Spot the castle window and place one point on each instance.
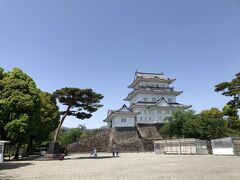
(123, 120)
(153, 99)
(141, 118)
(169, 99)
(150, 118)
(145, 112)
(145, 99)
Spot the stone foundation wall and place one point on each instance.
(127, 139)
(148, 145)
(99, 141)
(148, 131)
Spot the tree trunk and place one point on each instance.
(17, 154)
(60, 125)
(29, 147)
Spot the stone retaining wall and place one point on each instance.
(148, 131)
(99, 141)
(127, 139)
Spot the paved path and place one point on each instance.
(127, 166)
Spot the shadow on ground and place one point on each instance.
(90, 157)
(13, 165)
(3, 177)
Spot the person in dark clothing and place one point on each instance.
(61, 157)
(113, 152)
(95, 152)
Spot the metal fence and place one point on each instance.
(226, 146)
(180, 146)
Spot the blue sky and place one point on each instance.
(100, 44)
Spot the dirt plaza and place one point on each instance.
(127, 166)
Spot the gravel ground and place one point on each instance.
(128, 166)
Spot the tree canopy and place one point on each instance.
(232, 89)
(71, 135)
(27, 114)
(80, 103)
(209, 124)
(212, 124)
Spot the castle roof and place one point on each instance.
(150, 75)
(124, 110)
(162, 103)
(139, 76)
(152, 91)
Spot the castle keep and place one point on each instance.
(132, 128)
(150, 102)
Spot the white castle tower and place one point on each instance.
(150, 101)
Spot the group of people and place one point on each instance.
(115, 152)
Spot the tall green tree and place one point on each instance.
(24, 109)
(181, 124)
(49, 120)
(208, 124)
(49, 116)
(232, 117)
(232, 89)
(71, 135)
(212, 124)
(20, 101)
(213, 113)
(80, 103)
(2, 104)
(230, 110)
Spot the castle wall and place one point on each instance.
(152, 97)
(148, 131)
(127, 139)
(99, 141)
(123, 121)
(152, 116)
(153, 84)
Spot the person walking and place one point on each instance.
(116, 151)
(113, 152)
(95, 152)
